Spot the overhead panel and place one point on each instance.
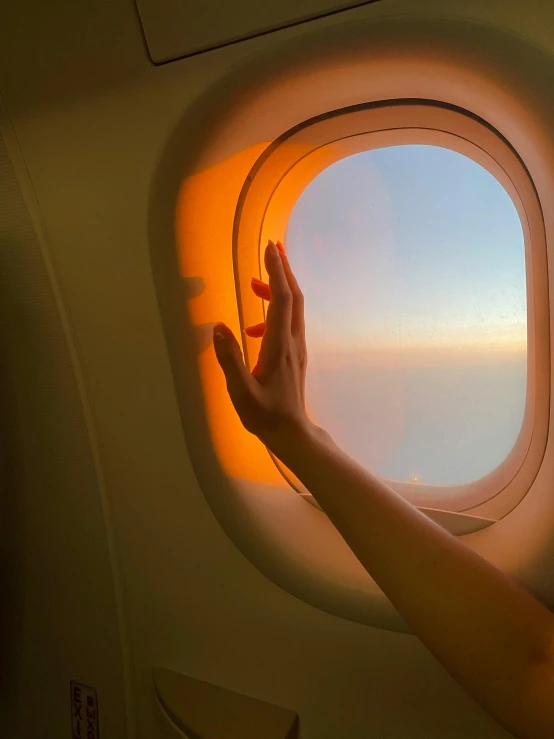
(178, 28)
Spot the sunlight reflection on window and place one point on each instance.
(412, 262)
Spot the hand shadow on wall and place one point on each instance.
(193, 287)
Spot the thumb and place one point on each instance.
(230, 359)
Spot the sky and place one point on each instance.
(412, 263)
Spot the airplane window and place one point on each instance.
(412, 262)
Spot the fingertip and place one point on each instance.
(221, 332)
(281, 248)
(223, 338)
(272, 258)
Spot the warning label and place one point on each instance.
(84, 712)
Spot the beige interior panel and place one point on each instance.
(201, 709)
(59, 613)
(177, 28)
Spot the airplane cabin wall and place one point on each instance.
(117, 563)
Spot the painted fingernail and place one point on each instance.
(281, 248)
(260, 289)
(255, 332)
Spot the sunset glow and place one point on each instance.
(412, 262)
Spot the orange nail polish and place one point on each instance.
(256, 331)
(261, 289)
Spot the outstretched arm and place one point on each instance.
(489, 633)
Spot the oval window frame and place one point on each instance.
(288, 165)
(199, 177)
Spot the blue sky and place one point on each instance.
(411, 259)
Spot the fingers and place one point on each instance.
(261, 290)
(297, 323)
(285, 313)
(279, 311)
(228, 353)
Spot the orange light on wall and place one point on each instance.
(205, 219)
(227, 212)
(204, 226)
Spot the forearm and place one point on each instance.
(491, 635)
(488, 632)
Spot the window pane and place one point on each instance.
(412, 262)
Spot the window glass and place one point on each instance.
(412, 262)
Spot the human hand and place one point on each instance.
(270, 401)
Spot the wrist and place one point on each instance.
(296, 441)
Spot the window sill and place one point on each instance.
(459, 524)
